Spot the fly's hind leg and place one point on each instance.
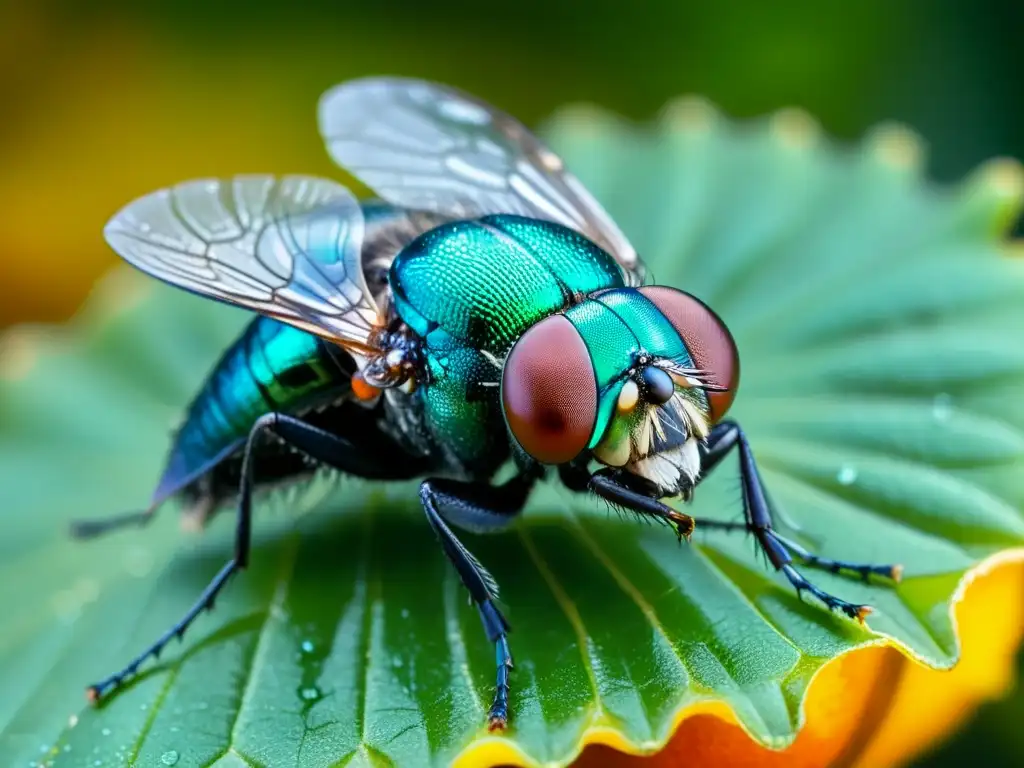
(367, 460)
(779, 550)
(481, 508)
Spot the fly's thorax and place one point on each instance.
(635, 379)
(485, 281)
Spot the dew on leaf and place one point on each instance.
(847, 475)
(307, 646)
(170, 757)
(105, 731)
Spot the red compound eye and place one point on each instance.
(705, 335)
(549, 391)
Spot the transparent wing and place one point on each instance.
(286, 247)
(431, 147)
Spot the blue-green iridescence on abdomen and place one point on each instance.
(271, 367)
(470, 289)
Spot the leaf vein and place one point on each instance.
(261, 647)
(629, 588)
(569, 609)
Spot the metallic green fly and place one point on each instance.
(484, 310)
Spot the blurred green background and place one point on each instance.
(106, 100)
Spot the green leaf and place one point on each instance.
(878, 320)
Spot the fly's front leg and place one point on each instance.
(637, 495)
(780, 551)
(326, 447)
(481, 508)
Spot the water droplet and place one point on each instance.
(310, 694)
(170, 757)
(405, 613)
(203, 705)
(942, 407)
(105, 731)
(847, 475)
(72, 721)
(67, 747)
(307, 646)
(397, 662)
(175, 729)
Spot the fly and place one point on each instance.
(484, 310)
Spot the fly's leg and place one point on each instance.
(757, 511)
(323, 446)
(481, 508)
(633, 493)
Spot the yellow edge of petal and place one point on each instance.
(491, 751)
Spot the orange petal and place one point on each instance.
(873, 707)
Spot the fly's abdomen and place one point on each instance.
(271, 367)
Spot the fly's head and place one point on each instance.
(569, 389)
(655, 428)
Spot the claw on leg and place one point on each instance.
(497, 716)
(683, 524)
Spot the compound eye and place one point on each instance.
(549, 391)
(710, 344)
